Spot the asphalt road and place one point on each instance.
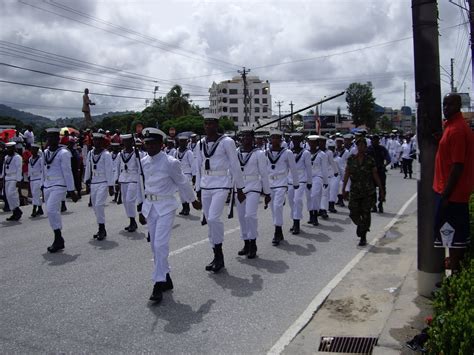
(93, 297)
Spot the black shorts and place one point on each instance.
(451, 228)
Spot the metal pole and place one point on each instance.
(428, 98)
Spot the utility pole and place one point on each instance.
(453, 89)
(428, 98)
(291, 117)
(154, 93)
(244, 73)
(279, 112)
(404, 93)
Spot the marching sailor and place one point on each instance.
(186, 158)
(340, 157)
(281, 163)
(253, 164)
(115, 153)
(163, 177)
(217, 171)
(57, 180)
(303, 168)
(35, 175)
(319, 172)
(323, 211)
(11, 180)
(99, 175)
(128, 177)
(334, 176)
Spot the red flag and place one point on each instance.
(317, 120)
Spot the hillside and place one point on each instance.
(25, 117)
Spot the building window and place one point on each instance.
(265, 91)
(233, 91)
(264, 100)
(224, 99)
(257, 118)
(224, 108)
(265, 109)
(224, 91)
(234, 109)
(256, 100)
(234, 101)
(256, 91)
(257, 109)
(236, 119)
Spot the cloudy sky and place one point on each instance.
(306, 49)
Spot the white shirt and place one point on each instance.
(406, 150)
(319, 163)
(35, 168)
(128, 167)
(163, 177)
(280, 164)
(99, 168)
(29, 136)
(332, 167)
(340, 157)
(303, 167)
(254, 170)
(224, 165)
(57, 169)
(12, 168)
(170, 151)
(186, 159)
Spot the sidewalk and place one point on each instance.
(377, 298)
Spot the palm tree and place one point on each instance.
(178, 103)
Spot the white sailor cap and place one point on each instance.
(114, 144)
(313, 137)
(53, 130)
(211, 117)
(126, 136)
(276, 132)
(98, 135)
(323, 138)
(296, 135)
(10, 144)
(193, 135)
(331, 143)
(348, 136)
(182, 137)
(151, 134)
(339, 139)
(35, 145)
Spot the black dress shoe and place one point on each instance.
(168, 284)
(210, 266)
(245, 249)
(58, 243)
(252, 250)
(157, 294)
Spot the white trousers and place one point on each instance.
(316, 193)
(295, 200)
(11, 193)
(213, 202)
(35, 187)
(129, 198)
(160, 233)
(190, 179)
(394, 156)
(277, 202)
(99, 194)
(334, 188)
(247, 212)
(52, 199)
(325, 197)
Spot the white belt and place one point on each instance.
(151, 197)
(97, 174)
(251, 177)
(277, 176)
(50, 178)
(215, 172)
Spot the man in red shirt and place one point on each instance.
(453, 182)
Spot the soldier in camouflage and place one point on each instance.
(362, 171)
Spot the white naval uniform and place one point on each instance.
(128, 176)
(330, 193)
(57, 180)
(340, 157)
(319, 172)
(11, 174)
(163, 177)
(35, 175)
(99, 170)
(295, 197)
(280, 164)
(254, 169)
(170, 151)
(214, 179)
(186, 160)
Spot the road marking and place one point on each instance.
(195, 244)
(313, 307)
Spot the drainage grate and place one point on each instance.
(354, 345)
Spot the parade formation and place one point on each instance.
(154, 176)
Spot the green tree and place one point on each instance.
(385, 123)
(178, 102)
(360, 104)
(156, 114)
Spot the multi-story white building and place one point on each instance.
(227, 99)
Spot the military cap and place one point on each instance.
(10, 144)
(126, 136)
(152, 134)
(276, 132)
(296, 135)
(348, 136)
(113, 144)
(211, 117)
(53, 130)
(313, 137)
(331, 143)
(98, 135)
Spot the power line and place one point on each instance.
(54, 107)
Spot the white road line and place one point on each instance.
(308, 313)
(191, 246)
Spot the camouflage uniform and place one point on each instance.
(362, 196)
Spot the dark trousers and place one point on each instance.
(407, 166)
(359, 211)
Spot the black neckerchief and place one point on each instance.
(114, 155)
(193, 145)
(274, 161)
(313, 157)
(126, 160)
(48, 159)
(33, 161)
(94, 160)
(299, 155)
(207, 163)
(243, 161)
(7, 163)
(180, 155)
